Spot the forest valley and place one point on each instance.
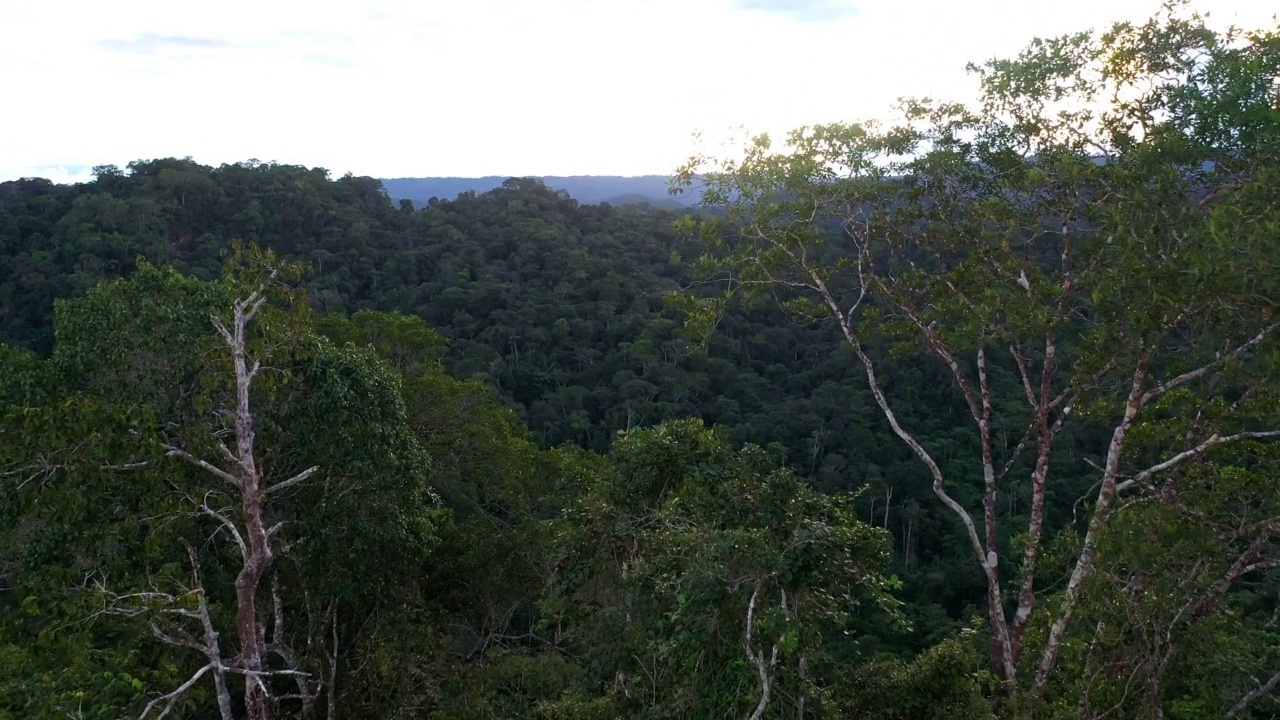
(973, 414)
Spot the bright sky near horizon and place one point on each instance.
(395, 88)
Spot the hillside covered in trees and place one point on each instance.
(970, 416)
(592, 189)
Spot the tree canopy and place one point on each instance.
(967, 414)
(1096, 234)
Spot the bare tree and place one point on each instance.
(170, 622)
(259, 543)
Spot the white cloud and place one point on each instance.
(474, 87)
(816, 11)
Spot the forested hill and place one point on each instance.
(557, 304)
(613, 189)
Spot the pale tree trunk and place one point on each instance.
(248, 629)
(1140, 396)
(212, 649)
(763, 665)
(1101, 513)
(331, 710)
(1045, 430)
(253, 537)
(207, 645)
(307, 687)
(1006, 641)
(986, 553)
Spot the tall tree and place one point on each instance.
(1097, 232)
(259, 542)
(248, 490)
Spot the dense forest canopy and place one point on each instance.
(973, 414)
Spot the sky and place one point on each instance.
(413, 88)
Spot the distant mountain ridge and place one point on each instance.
(587, 189)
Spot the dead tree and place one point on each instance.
(239, 472)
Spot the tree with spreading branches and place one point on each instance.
(223, 480)
(1096, 236)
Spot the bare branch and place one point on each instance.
(1252, 695)
(939, 487)
(226, 452)
(180, 638)
(1073, 392)
(1203, 370)
(228, 524)
(295, 480)
(212, 469)
(177, 638)
(1025, 374)
(172, 698)
(257, 675)
(1243, 565)
(212, 649)
(128, 466)
(1017, 453)
(1267, 564)
(309, 688)
(250, 305)
(222, 329)
(941, 350)
(1193, 453)
(862, 280)
(763, 667)
(989, 499)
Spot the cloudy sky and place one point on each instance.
(394, 88)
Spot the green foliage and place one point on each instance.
(1093, 235)
(1174, 618)
(943, 683)
(649, 566)
(27, 379)
(141, 340)
(97, 511)
(693, 556)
